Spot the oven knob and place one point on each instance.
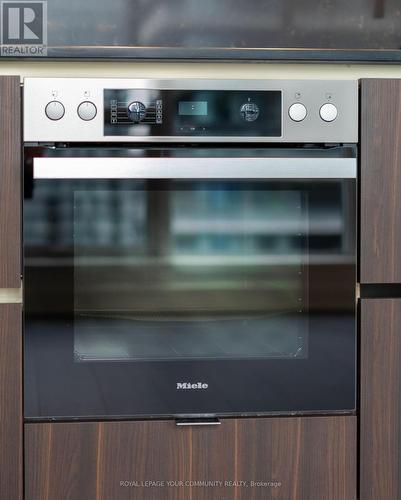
(87, 111)
(328, 112)
(249, 111)
(136, 111)
(54, 110)
(297, 112)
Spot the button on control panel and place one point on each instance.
(87, 111)
(297, 112)
(328, 112)
(54, 110)
(249, 111)
(136, 111)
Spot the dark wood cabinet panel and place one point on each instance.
(214, 457)
(380, 432)
(10, 182)
(141, 451)
(310, 458)
(314, 458)
(380, 181)
(11, 425)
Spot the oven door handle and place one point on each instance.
(193, 168)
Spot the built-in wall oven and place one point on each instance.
(189, 248)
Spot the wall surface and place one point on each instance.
(197, 70)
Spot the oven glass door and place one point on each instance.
(200, 292)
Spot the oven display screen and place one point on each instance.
(204, 113)
(192, 108)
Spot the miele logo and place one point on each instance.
(188, 385)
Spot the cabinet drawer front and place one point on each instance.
(252, 459)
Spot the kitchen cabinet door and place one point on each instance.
(380, 432)
(380, 175)
(311, 458)
(11, 425)
(10, 182)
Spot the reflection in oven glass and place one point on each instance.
(197, 273)
(168, 270)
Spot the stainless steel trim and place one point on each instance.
(194, 168)
(197, 423)
(10, 295)
(191, 83)
(312, 93)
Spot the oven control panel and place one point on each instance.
(192, 113)
(121, 110)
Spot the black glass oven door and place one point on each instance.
(164, 284)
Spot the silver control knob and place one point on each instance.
(87, 111)
(136, 111)
(328, 112)
(54, 110)
(297, 112)
(249, 111)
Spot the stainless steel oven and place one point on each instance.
(189, 248)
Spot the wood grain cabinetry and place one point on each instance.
(11, 426)
(312, 458)
(380, 252)
(10, 182)
(11, 423)
(380, 181)
(380, 431)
